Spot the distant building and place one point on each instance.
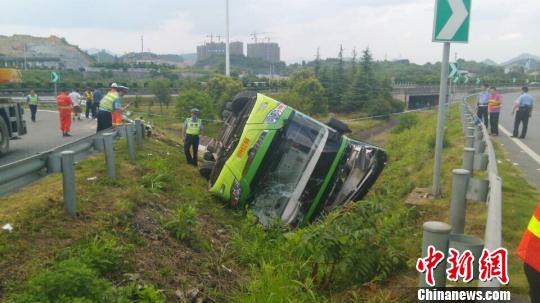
(218, 49)
(31, 62)
(268, 51)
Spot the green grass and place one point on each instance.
(156, 231)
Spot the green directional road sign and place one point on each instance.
(451, 22)
(453, 70)
(55, 77)
(478, 80)
(527, 81)
(466, 79)
(514, 80)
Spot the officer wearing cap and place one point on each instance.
(192, 130)
(523, 110)
(110, 103)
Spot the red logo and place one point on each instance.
(494, 265)
(491, 265)
(429, 263)
(460, 266)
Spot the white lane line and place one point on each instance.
(48, 111)
(521, 145)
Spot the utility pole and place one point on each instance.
(227, 51)
(142, 44)
(443, 92)
(25, 56)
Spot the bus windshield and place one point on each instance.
(289, 164)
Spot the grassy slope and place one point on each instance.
(227, 255)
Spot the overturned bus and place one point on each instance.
(285, 164)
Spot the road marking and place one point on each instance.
(47, 111)
(522, 145)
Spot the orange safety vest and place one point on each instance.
(529, 248)
(117, 118)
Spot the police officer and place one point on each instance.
(109, 104)
(482, 105)
(192, 130)
(522, 110)
(33, 101)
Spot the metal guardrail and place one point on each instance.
(493, 229)
(479, 155)
(23, 172)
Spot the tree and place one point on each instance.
(338, 84)
(306, 93)
(190, 98)
(358, 94)
(222, 89)
(317, 67)
(161, 88)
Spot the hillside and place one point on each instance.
(70, 56)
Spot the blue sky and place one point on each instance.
(391, 28)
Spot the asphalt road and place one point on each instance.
(523, 153)
(45, 134)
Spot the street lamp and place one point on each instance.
(227, 51)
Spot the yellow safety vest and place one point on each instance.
(193, 127)
(106, 103)
(33, 100)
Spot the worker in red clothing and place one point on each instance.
(529, 252)
(65, 106)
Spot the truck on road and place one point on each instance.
(286, 165)
(12, 123)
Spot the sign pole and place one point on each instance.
(55, 91)
(443, 92)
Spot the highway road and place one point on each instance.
(45, 134)
(523, 153)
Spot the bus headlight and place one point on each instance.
(274, 115)
(236, 192)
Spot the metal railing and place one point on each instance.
(493, 228)
(21, 173)
(479, 155)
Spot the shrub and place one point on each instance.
(183, 223)
(68, 281)
(406, 121)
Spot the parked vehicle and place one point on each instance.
(285, 164)
(12, 122)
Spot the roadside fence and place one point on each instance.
(476, 181)
(62, 159)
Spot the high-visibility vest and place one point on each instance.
(106, 103)
(529, 248)
(33, 100)
(193, 127)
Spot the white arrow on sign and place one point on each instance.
(459, 14)
(454, 70)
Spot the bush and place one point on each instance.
(183, 223)
(68, 281)
(432, 140)
(190, 98)
(406, 121)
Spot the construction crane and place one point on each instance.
(254, 36)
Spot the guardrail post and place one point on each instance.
(97, 143)
(109, 154)
(139, 131)
(68, 174)
(470, 131)
(460, 178)
(468, 159)
(469, 141)
(438, 235)
(130, 142)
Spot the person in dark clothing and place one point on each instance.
(522, 110)
(97, 96)
(482, 105)
(191, 131)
